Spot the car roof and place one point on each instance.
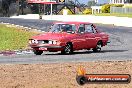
(71, 22)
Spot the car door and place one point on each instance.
(90, 36)
(80, 37)
(100, 36)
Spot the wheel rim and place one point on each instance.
(68, 48)
(99, 47)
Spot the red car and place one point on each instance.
(68, 37)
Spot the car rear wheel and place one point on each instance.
(37, 52)
(98, 47)
(68, 49)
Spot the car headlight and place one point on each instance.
(54, 42)
(36, 41)
(42, 42)
(50, 42)
(33, 41)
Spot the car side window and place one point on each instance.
(89, 28)
(81, 28)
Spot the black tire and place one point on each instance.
(81, 80)
(98, 47)
(37, 52)
(68, 49)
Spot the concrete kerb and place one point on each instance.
(16, 52)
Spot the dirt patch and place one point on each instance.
(60, 75)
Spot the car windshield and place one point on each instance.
(63, 28)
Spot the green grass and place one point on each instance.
(12, 38)
(114, 14)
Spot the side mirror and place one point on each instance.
(50, 27)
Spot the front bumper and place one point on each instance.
(47, 47)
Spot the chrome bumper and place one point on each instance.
(46, 46)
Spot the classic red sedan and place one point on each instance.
(68, 37)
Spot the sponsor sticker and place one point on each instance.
(83, 78)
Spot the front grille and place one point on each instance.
(43, 41)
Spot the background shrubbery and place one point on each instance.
(87, 11)
(106, 8)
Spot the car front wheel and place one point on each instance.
(68, 49)
(37, 52)
(98, 47)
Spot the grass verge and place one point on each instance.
(12, 38)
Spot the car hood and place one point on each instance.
(52, 36)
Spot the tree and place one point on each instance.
(91, 3)
(106, 8)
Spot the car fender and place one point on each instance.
(98, 39)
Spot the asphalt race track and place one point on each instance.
(119, 48)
